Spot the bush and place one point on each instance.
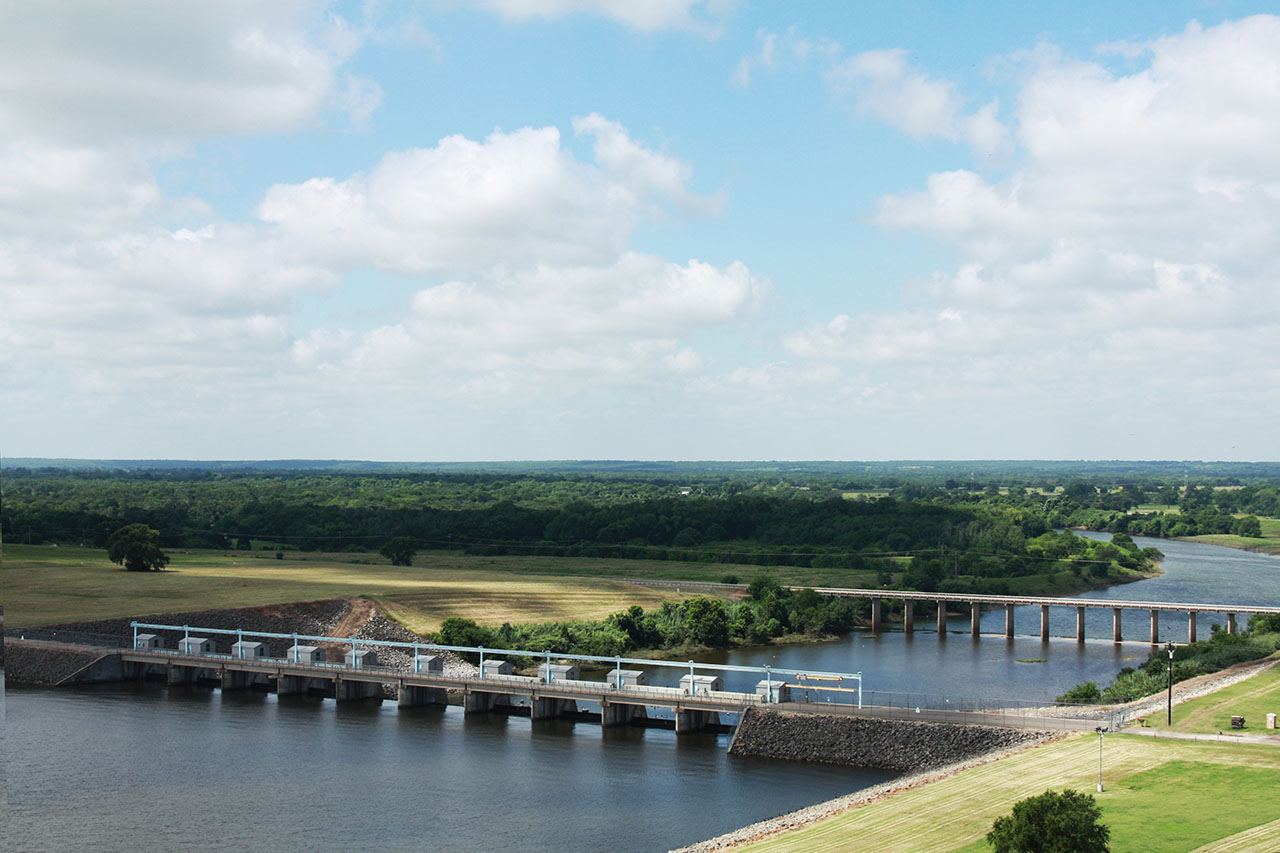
(1052, 822)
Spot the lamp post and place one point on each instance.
(1100, 730)
(1169, 719)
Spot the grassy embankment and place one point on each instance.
(44, 585)
(1252, 699)
(1166, 795)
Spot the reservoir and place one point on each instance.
(146, 766)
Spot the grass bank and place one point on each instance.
(1268, 544)
(1160, 795)
(45, 585)
(1252, 699)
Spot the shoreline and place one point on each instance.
(765, 829)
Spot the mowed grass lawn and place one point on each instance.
(1161, 795)
(1252, 699)
(44, 585)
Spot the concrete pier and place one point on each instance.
(875, 616)
(412, 696)
(175, 674)
(617, 714)
(1079, 624)
(291, 685)
(1191, 627)
(479, 702)
(942, 620)
(908, 617)
(1008, 622)
(546, 709)
(1155, 627)
(1231, 623)
(1115, 625)
(975, 619)
(345, 690)
(695, 721)
(233, 679)
(1044, 623)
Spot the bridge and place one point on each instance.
(977, 602)
(623, 693)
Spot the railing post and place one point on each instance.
(295, 647)
(617, 669)
(768, 684)
(481, 661)
(417, 662)
(240, 642)
(135, 634)
(692, 684)
(548, 654)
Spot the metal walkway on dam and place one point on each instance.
(623, 694)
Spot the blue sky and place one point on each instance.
(677, 230)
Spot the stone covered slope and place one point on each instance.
(899, 745)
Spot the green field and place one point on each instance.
(1161, 795)
(44, 585)
(1268, 544)
(1252, 699)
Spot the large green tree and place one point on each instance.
(400, 551)
(137, 548)
(1051, 822)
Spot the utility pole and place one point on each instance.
(1169, 719)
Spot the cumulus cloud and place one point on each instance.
(1127, 257)
(515, 198)
(884, 85)
(76, 69)
(702, 16)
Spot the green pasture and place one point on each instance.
(1268, 544)
(1166, 795)
(45, 585)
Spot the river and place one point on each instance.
(146, 766)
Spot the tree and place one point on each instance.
(137, 548)
(400, 551)
(1052, 822)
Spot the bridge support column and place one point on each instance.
(975, 619)
(476, 702)
(291, 685)
(908, 617)
(1008, 621)
(412, 696)
(1116, 635)
(1155, 627)
(345, 690)
(180, 674)
(616, 714)
(942, 620)
(1079, 624)
(875, 616)
(695, 721)
(1191, 627)
(234, 679)
(1231, 623)
(1044, 623)
(547, 709)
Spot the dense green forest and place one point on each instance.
(927, 533)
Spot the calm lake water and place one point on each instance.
(145, 766)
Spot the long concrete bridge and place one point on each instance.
(623, 694)
(976, 603)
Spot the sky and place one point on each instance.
(611, 229)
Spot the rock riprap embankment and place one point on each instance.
(902, 745)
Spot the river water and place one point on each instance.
(146, 766)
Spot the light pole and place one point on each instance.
(1169, 719)
(1100, 730)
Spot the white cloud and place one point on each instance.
(778, 50)
(517, 198)
(704, 16)
(885, 86)
(1126, 262)
(78, 69)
